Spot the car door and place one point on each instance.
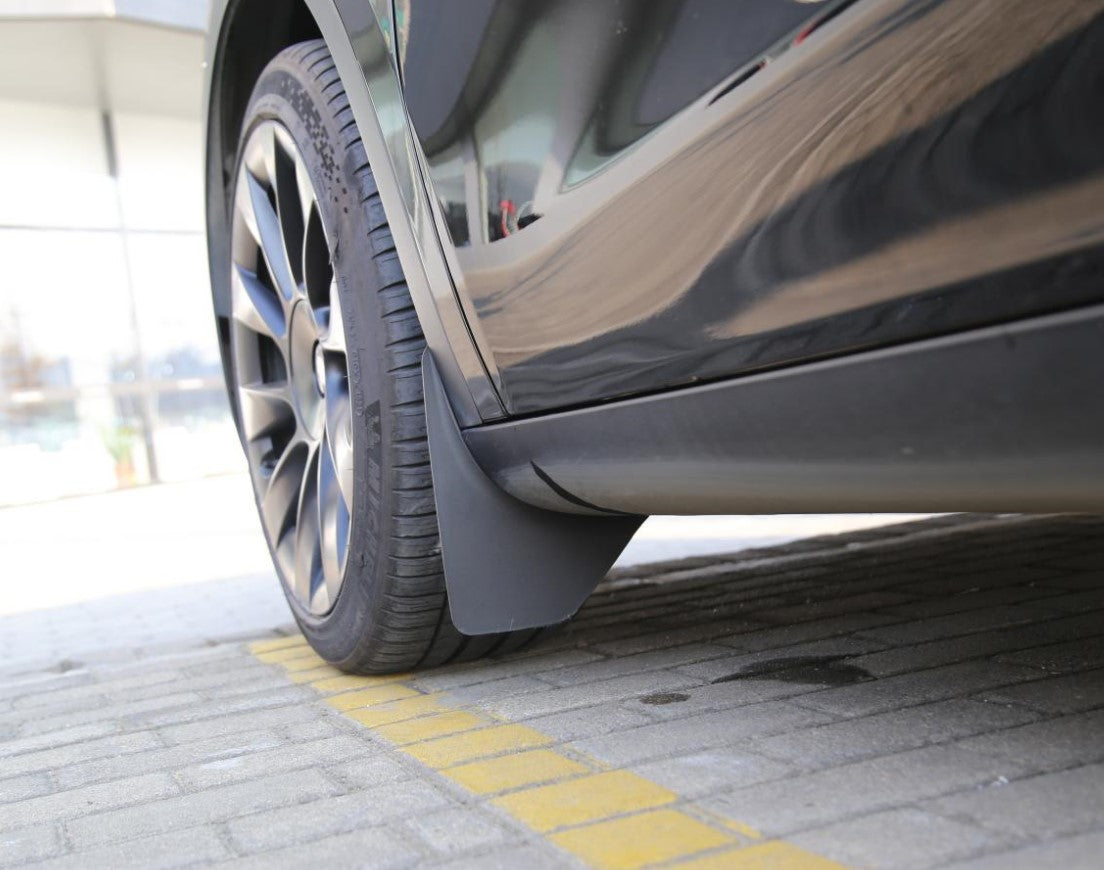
(636, 196)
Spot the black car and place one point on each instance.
(494, 280)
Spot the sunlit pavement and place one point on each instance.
(925, 694)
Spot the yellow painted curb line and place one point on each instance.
(610, 819)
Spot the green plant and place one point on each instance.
(119, 442)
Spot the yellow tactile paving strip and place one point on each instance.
(607, 818)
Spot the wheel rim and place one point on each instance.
(291, 368)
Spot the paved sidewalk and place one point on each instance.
(929, 694)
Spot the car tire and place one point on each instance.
(388, 611)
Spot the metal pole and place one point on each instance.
(147, 410)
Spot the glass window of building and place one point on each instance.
(109, 370)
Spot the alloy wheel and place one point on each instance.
(291, 368)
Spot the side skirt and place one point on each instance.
(508, 565)
(1003, 418)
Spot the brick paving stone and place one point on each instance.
(1047, 806)
(712, 770)
(608, 668)
(529, 857)
(680, 736)
(712, 698)
(58, 758)
(371, 771)
(966, 622)
(557, 699)
(497, 691)
(841, 606)
(459, 829)
(82, 693)
(876, 696)
(903, 839)
(199, 808)
(191, 660)
(946, 651)
(159, 757)
(1090, 599)
(251, 721)
(974, 599)
(316, 729)
(717, 668)
(1078, 555)
(27, 686)
(185, 848)
(1073, 582)
(29, 785)
(986, 572)
(202, 709)
(233, 768)
(824, 796)
(1081, 852)
(1047, 746)
(1070, 693)
(893, 731)
(32, 843)
(1080, 654)
(781, 636)
(270, 682)
(36, 724)
(338, 814)
(249, 675)
(92, 798)
(676, 615)
(589, 721)
(373, 847)
(63, 737)
(721, 631)
(117, 668)
(466, 674)
(937, 586)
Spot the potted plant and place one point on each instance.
(120, 444)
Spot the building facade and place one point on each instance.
(109, 371)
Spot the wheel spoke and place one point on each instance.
(258, 155)
(333, 520)
(289, 206)
(265, 409)
(339, 434)
(303, 190)
(285, 553)
(269, 236)
(243, 211)
(308, 537)
(317, 269)
(254, 305)
(282, 491)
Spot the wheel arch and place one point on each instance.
(243, 35)
(250, 33)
